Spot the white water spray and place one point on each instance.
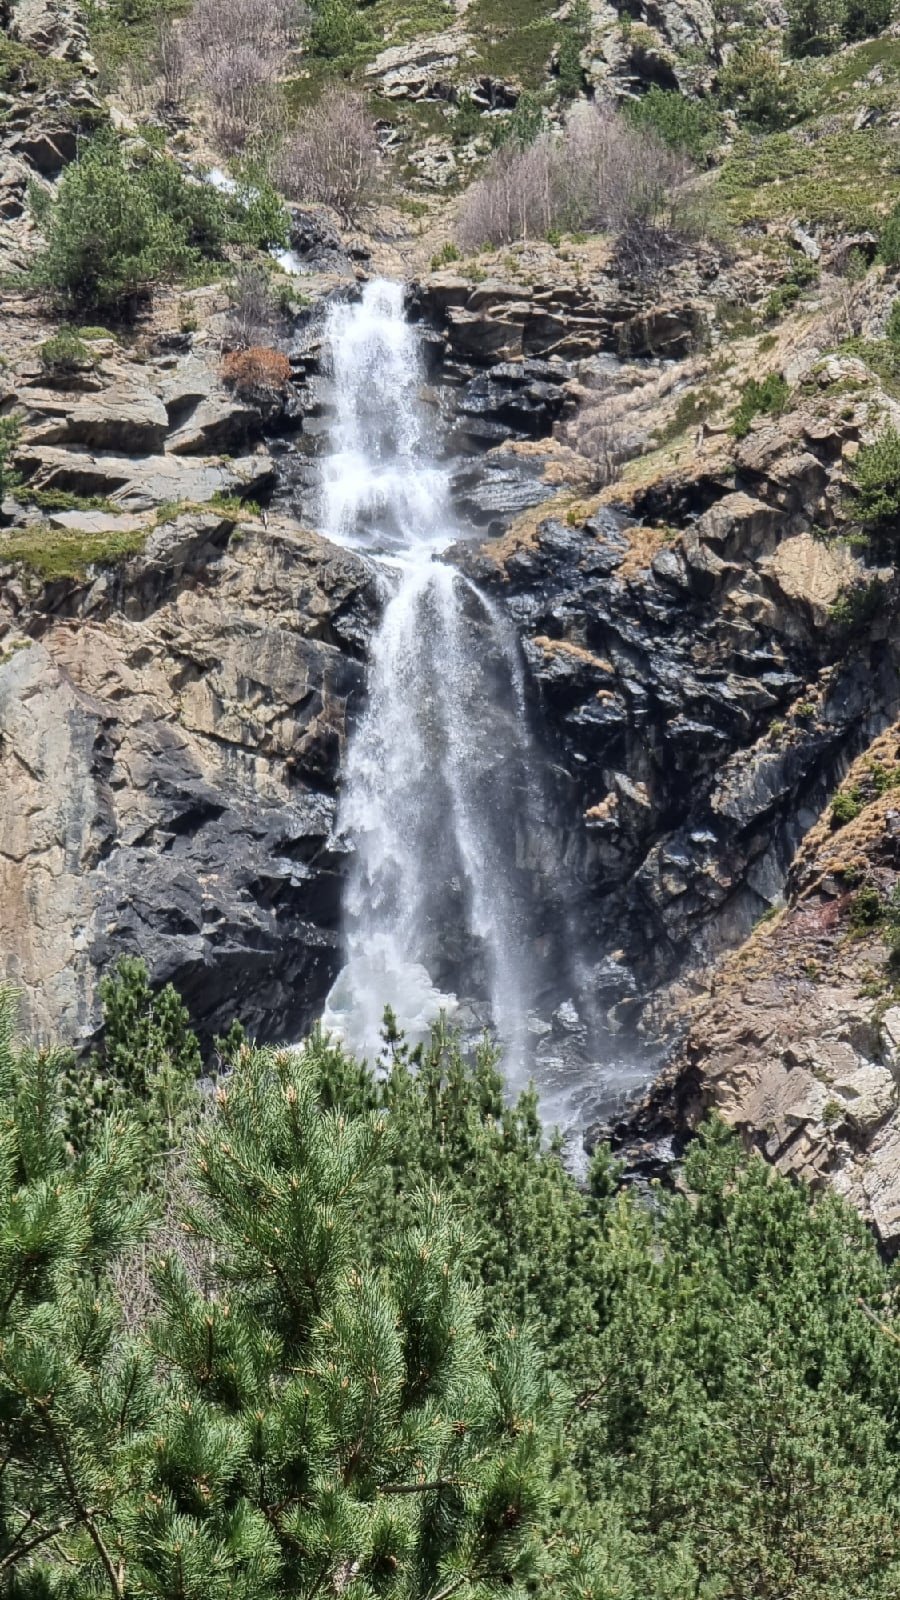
(438, 765)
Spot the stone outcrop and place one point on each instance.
(703, 700)
(172, 735)
(420, 69)
(797, 1040)
(142, 432)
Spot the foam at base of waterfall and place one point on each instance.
(354, 1009)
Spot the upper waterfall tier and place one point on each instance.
(382, 490)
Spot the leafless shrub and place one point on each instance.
(614, 171)
(845, 308)
(600, 173)
(518, 197)
(332, 156)
(255, 315)
(172, 63)
(238, 49)
(644, 249)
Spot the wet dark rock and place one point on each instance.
(663, 689)
(314, 237)
(498, 489)
(669, 332)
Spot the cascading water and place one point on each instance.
(442, 799)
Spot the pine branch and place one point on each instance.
(450, 1588)
(422, 1488)
(19, 1550)
(115, 1575)
(877, 1323)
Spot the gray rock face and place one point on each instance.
(496, 321)
(171, 737)
(702, 703)
(412, 71)
(795, 1039)
(122, 430)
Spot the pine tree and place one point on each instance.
(69, 1392)
(331, 1423)
(148, 1064)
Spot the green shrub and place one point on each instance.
(801, 275)
(337, 30)
(10, 427)
(148, 1065)
(892, 326)
(123, 33)
(257, 214)
(120, 226)
(523, 124)
(815, 27)
(763, 90)
(765, 398)
(65, 353)
(448, 253)
(865, 18)
(858, 605)
(875, 476)
(845, 807)
(683, 123)
(575, 35)
(365, 1334)
(866, 908)
(468, 120)
(889, 239)
(23, 68)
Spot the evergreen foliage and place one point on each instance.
(682, 123)
(759, 397)
(816, 27)
(889, 240)
(121, 224)
(149, 1064)
(575, 36)
(876, 482)
(765, 91)
(371, 1338)
(10, 428)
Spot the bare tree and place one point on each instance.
(254, 315)
(172, 63)
(600, 173)
(238, 50)
(332, 156)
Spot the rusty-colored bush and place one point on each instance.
(257, 369)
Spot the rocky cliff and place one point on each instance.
(172, 739)
(652, 447)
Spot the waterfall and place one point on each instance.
(437, 774)
(456, 899)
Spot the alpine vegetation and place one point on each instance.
(302, 1330)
